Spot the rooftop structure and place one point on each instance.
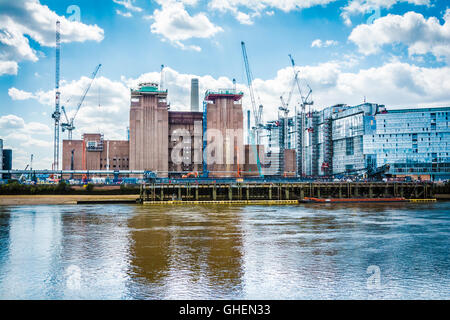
(223, 93)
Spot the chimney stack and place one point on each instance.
(194, 95)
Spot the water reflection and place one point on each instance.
(185, 249)
(202, 252)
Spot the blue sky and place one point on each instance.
(393, 52)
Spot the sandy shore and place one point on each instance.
(59, 199)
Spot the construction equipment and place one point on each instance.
(284, 137)
(193, 174)
(69, 123)
(257, 112)
(22, 176)
(369, 172)
(56, 115)
(305, 101)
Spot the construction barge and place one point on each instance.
(285, 193)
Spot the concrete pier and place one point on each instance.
(282, 192)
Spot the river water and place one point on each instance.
(379, 251)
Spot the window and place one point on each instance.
(92, 144)
(349, 146)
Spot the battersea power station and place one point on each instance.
(339, 140)
(173, 143)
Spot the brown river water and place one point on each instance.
(346, 251)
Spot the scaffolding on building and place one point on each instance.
(327, 165)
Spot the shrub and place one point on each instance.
(89, 187)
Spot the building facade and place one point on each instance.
(225, 132)
(342, 140)
(171, 142)
(414, 142)
(92, 152)
(149, 129)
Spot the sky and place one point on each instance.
(391, 52)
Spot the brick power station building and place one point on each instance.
(156, 134)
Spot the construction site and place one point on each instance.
(220, 140)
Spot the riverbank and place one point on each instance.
(9, 200)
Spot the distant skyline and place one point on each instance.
(392, 52)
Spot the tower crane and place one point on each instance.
(68, 125)
(56, 115)
(257, 112)
(305, 101)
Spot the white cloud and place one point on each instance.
(373, 6)
(364, 6)
(395, 84)
(105, 108)
(11, 122)
(244, 18)
(323, 44)
(175, 24)
(420, 35)
(128, 4)
(8, 67)
(257, 6)
(124, 14)
(25, 138)
(260, 5)
(17, 94)
(29, 17)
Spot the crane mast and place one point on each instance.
(304, 103)
(56, 114)
(257, 113)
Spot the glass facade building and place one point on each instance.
(343, 139)
(414, 142)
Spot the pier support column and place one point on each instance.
(270, 193)
(370, 192)
(318, 191)
(179, 193)
(302, 193)
(162, 193)
(196, 193)
(340, 190)
(230, 193)
(355, 191)
(287, 193)
(214, 193)
(247, 192)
